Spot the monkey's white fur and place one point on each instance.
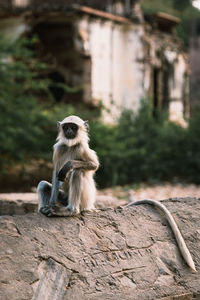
(79, 184)
(82, 134)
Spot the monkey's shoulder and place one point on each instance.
(84, 148)
(79, 151)
(61, 148)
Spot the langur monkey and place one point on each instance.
(74, 163)
(73, 188)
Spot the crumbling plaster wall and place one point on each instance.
(179, 91)
(13, 27)
(116, 64)
(195, 71)
(122, 60)
(166, 55)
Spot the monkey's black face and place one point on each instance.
(70, 130)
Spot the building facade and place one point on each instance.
(109, 50)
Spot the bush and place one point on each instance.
(142, 148)
(28, 127)
(192, 151)
(138, 148)
(19, 113)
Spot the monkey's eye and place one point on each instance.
(71, 126)
(74, 127)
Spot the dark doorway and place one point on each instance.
(56, 86)
(155, 91)
(165, 89)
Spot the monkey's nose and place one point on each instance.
(70, 133)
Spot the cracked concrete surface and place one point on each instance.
(108, 254)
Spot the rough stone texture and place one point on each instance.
(23, 203)
(108, 254)
(18, 203)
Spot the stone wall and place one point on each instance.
(108, 254)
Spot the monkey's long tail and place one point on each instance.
(180, 241)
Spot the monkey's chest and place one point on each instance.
(69, 157)
(71, 153)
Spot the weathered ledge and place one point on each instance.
(23, 203)
(108, 254)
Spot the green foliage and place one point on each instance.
(19, 115)
(28, 126)
(142, 148)
(138, 148)
(192, 146)
(154, 6)
(28, 129)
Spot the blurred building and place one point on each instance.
(195, 66)
(109, 50)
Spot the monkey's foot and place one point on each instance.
(88, 209)
(50, 211)
(69, 210)
(53, 211)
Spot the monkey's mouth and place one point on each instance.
(70, 136)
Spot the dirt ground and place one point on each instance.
(158, 192)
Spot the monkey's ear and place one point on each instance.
(86, 124)
(58, 124)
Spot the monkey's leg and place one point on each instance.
(75, 190)
(87, 188)
(74, 197)
(44, 192)
(88, 196)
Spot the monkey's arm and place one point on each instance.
(57, 159)
(55, 189)
(86, 165)
(89, 162)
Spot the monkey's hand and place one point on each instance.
(65, 170)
